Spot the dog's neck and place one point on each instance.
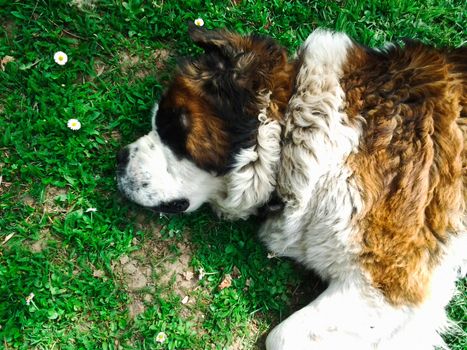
(252, 180)
(281, 84)
(249, 186)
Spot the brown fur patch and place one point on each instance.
(206, 142)
(221, 93)
(270, 70)
(409, 165)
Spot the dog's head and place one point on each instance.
(204, 120)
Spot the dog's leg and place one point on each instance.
(340, 318)
(350, 315)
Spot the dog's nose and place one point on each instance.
(123, 156)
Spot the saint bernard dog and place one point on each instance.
(355, 156)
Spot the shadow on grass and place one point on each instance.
(308, 289)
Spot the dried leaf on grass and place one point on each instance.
(8, 237)
(98, 273)
(4, 61)
(226, 282)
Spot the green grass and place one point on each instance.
(73, 260)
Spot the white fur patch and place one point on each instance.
(154, 175)
(318, 138)
(253, 177)
(321, 197)
(351, 314)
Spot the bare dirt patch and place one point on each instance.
(136, 308)
(4, 185)
(161, 56)
(111, 136)
(157, 266)
(142, 67)
(164, 266)
(179, 271)
(28, 200)
(52, 196)
(99, 67)
(137, 275)
(154, 268)
(83, 4)
(10, 28)
(51, 204)
(116, 135)
(42, 243)
(127, 61)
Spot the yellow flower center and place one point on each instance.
(61, 58)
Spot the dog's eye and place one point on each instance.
(184, 120)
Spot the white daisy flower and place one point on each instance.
(161, 337)
(199, 22)
(29, 298)
(74, 124)
(60, 58)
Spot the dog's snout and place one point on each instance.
(123, 156)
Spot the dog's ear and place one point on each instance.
(240, 66)
(223, 42)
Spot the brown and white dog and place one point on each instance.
(358, 153)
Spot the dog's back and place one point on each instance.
(373, 178)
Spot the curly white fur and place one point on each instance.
(321, 197)
(252, 179)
